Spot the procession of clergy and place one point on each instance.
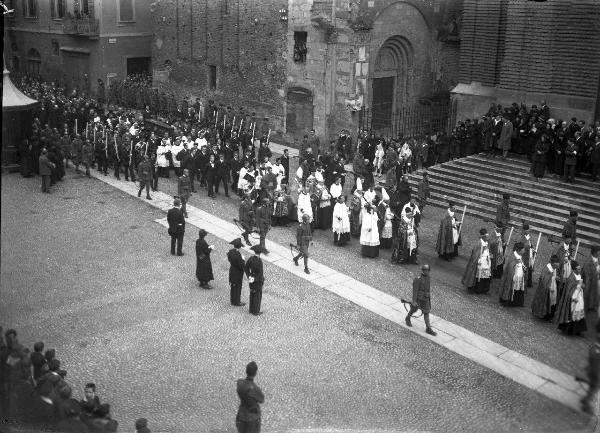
(382, 219)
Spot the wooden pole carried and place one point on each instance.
(536, 249)
(576, 250)
(462, 219)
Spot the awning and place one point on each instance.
(12, 98)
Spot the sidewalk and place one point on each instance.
(526, 371)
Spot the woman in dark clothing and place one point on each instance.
(204, 272)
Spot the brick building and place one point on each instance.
(79, 41)
(312, 64)
(526, 52)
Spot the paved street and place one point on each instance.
(88, 271)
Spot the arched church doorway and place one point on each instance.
(389, 81)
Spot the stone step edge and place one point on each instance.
(585, 220)
(498, 189)
(562, 187)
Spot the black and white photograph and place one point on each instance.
(300, 216)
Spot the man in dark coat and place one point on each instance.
(571, 152)
(76, 146)
(421, 299)
(176, 227)
(222, 174)
(503, 212)
(263, 222)
(256, 279)
(448, 239)
(236, 272)
(87, 153)
(145, 176)
(211, 175)
(570, 227)
(46, 168)
(251, 396)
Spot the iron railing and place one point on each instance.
(408, 121)
(85, 26)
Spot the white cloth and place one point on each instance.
(335, 190)
(319, 176)
(369, 232)
(518, 282)
(304, 207)
(279, 171)
(175, 149)
(553, 288)
(386, 232)
(577, 306)
(242, 183)
(161, 156)
(359, 185)
(415, 210)
(484, 264)
(201, 142)
(369, 196)
(341, 219)
(454, 227)
(384, 194)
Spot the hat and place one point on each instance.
(573, 213)
(499, 225)
(451, 203)
(574, 264)
(483, 232)
(176, 202)
(258, 249)
(141, 423)
(505, 196)
(202, 233)
(237, 243)
(525, 226)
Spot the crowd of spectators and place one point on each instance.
(34, 392)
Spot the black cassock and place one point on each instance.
(254, 271)
(236, 274)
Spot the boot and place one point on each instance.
(408, 322)
(430, 332)
(306, 271)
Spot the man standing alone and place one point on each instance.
(236, 272)
(176, 227)
(421, 299)
(46, 168)
(251, 396)
(145, 176)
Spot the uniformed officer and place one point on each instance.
(248, 416)
(236, 272)
(256, 279)
(76, 146)
(87, 152)
(421, 299)
(145, 176)
(303, 239)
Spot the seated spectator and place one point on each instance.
(141, 426)
(71, 423)
(90, 403)
(38, 360)
(102, 421)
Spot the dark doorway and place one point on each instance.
(138, 66)
(299, 118)
(77, 66)
(383, 102)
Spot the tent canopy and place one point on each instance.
(12, 98)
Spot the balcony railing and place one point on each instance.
(84, 26)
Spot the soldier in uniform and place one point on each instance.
(421, 299)
(236, 272)
(248, 416)
(128, 157)
(145, 177)
(76, 146)
(256, 279)
(246, 217)
(184, 189)
(114, 154)
(263, 222)
(303, 239)
(87, 152)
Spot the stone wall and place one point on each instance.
(245, 40)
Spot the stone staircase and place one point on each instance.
(479, 183)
